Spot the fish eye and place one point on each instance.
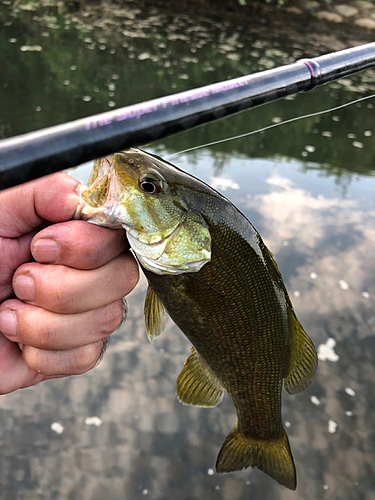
(149, 186)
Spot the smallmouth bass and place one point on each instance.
(209, 269)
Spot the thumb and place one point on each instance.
(53, 198)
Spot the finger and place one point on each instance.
(34, 326)
(61, 363)
(23, 208)
(15, 373)
(65, 290)
(78, 244)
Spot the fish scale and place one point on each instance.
(221, 286)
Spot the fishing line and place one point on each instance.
(310, 115)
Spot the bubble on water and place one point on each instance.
(358, 144)
(297, 293)
(313, 275)
(336, 118)
(326, 351)
(315, 400)
(144, 492)
(310, 149)
(111, 104)
(351, 136)
(287, 424)
(95, 421)
(344, 285)
(210, 472)
(217, 488)
(87, 40)
(367, 133)
(277, 119)
(73, 68)
(332, 426)
(12, 40)
(86, 98)
(248, 483)
(325, 487)
(38, 108)
(57, 427)
(366, 295)
(350, 391)
(112, 86)
(349, 413)
(183, 76)
(66, 82)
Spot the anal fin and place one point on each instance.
(272, 456)
(303, 359)
(196, 385)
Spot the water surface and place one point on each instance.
(309, 189)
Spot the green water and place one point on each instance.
(308, 188)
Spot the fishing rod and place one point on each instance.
(32, 155)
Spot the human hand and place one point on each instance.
(69, 299)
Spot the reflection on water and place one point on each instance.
(308, 189)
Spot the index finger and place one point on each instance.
(78, 244)
(24, 208)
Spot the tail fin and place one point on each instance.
(271, 456)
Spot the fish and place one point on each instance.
(209, 269)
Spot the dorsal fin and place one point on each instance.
(155, 316)
(303, 360)
(196, 385)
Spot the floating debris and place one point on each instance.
(326, 351)
(344, 285)
(332, 426)
(326, 133)
(31, 48)
(57, 427)
(96, 421)
(315, 400)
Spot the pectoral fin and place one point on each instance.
(155, 316)
(303, 362)
(196, 385)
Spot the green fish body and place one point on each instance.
(209, 269)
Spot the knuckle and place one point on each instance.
(113, 317)
(87, 356)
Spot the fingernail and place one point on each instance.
(45, 250)
(24, 287)
(8, 323)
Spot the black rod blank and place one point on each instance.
(32, 155)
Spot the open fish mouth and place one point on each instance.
(100, 198)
